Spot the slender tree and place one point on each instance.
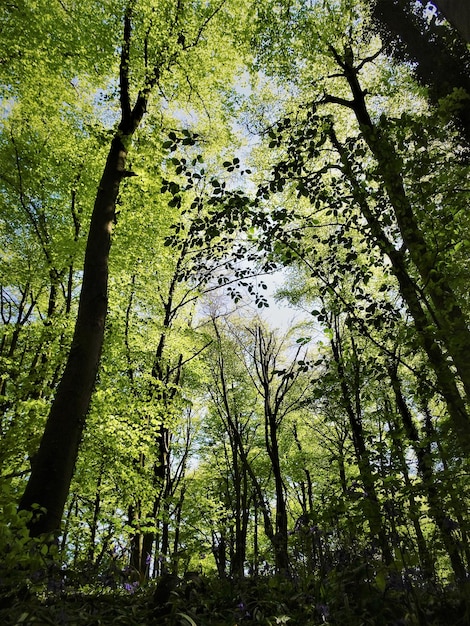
(54, 463)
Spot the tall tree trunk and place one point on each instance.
(372, 510)
(53, 466)
(453, 325)
(265, 363)
(133, 519)
(411, 295)
(425, 469)
(176, 537)
(165, 381)
(440, 59)
(425, 556)
(280, 538)
(229, 415)
(54, 463)
(96, 516)
(458, 14)
(457, 503)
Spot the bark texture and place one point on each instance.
(54, 462)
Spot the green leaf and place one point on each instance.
(187, 619)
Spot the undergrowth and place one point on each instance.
(210, 601)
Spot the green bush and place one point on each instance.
(27, 564)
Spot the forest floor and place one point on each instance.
(206, 601)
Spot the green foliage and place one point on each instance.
(257, 152)
(208, 601)
(27, 565)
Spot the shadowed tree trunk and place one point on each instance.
(458, 14)
(225, 396)
(450, 316)
(54, 463)
(274, 382)
(399, 451)
(441, 60)
(350, 399)
(425, 469)
(448, 325)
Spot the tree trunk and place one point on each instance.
(453, 324)
(229, 415)
(265, 363)
(53, 466)
(96, 516)
(426, 472)
(440, 59)
(54, 463)
(458, 14)
(372, 509)
(411, 295)
(398, 449)
(280, 538)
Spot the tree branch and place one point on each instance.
(126, 113)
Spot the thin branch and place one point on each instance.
(201, 29)
(190, 358)
(369, 59)
(15, 475)
(63, 6)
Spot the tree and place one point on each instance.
(235, 406)
(277, 379)
(423, 455)
(275, 382)
(458, 14)
(435, 305)
(46, 184)
(351, 400)
(327, 459)
(146, 55)
(410, 33)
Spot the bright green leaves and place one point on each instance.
(43, 40)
